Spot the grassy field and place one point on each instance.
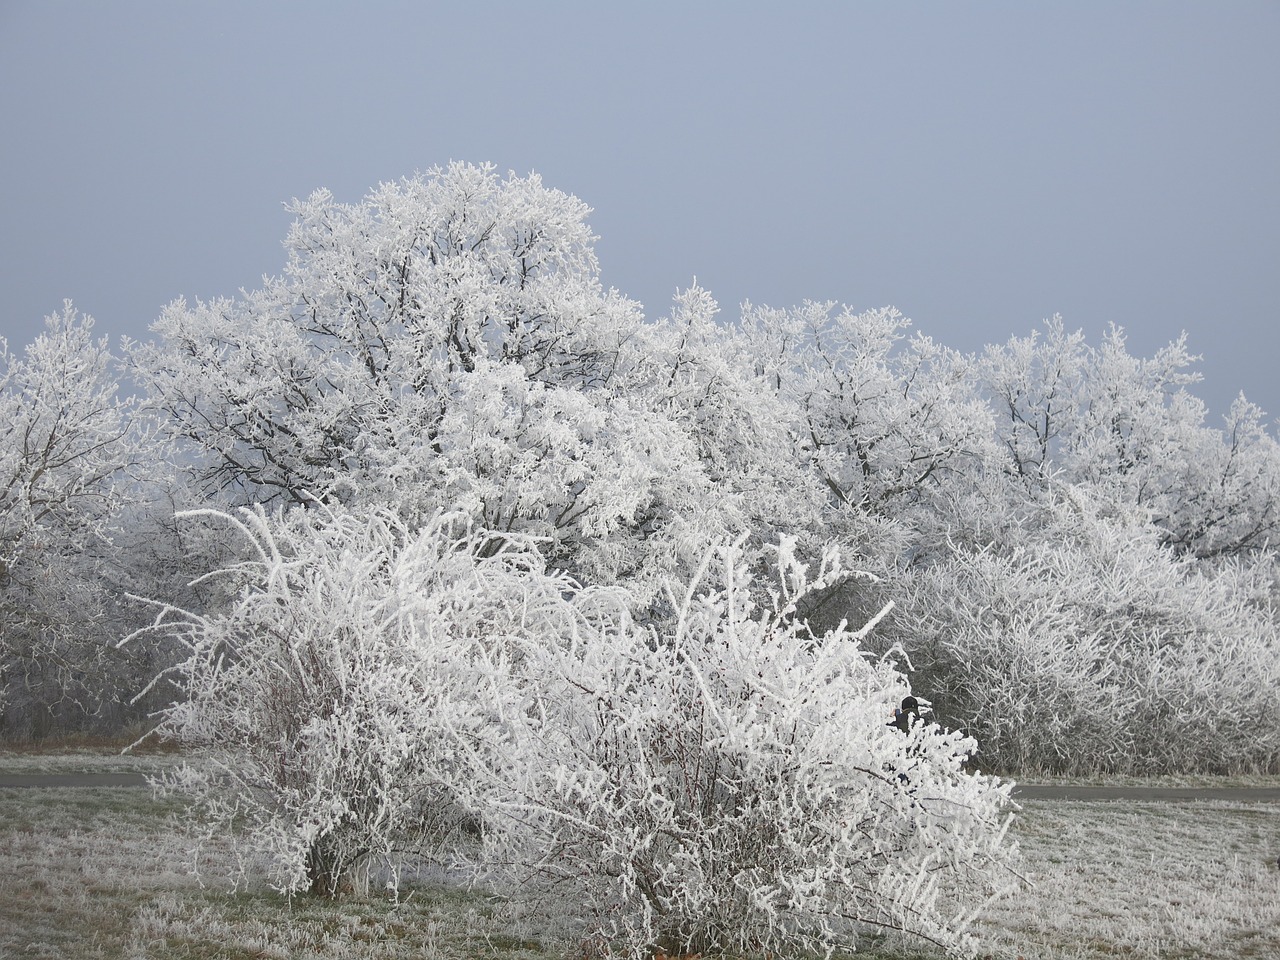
(105, 873)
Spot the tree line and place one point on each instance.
(1081, 565)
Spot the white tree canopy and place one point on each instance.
(68, 452)
(444, 343)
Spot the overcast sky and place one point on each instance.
(979, 165)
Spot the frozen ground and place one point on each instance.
(1153, 879)
(104, 873)
(83, 760)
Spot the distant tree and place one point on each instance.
(68, 447)
(885, 417)
(890, 427)
(1220, 489)
(1128, 429)
(1035, 385)
(710, 379)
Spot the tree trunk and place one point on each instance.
(333, 875)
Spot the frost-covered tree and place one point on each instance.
(1220, 489)
(445, 342)
(889, 424)
(67, 448)
(331, 380)
(1035, 385)
(708, 378)
(1127, 429)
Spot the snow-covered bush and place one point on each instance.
(731, 785)
(1088, 645)
(727, 783)
(358, 670)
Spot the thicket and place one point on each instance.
(726, 782)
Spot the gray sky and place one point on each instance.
(979, 165)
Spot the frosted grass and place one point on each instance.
(86, 760)
(104, 874)
(1167, 880)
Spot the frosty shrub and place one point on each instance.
(727, 781)
(1089, 646)
(730, 784)
(358, 668)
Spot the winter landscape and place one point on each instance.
(484, 581)
(434, 597)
